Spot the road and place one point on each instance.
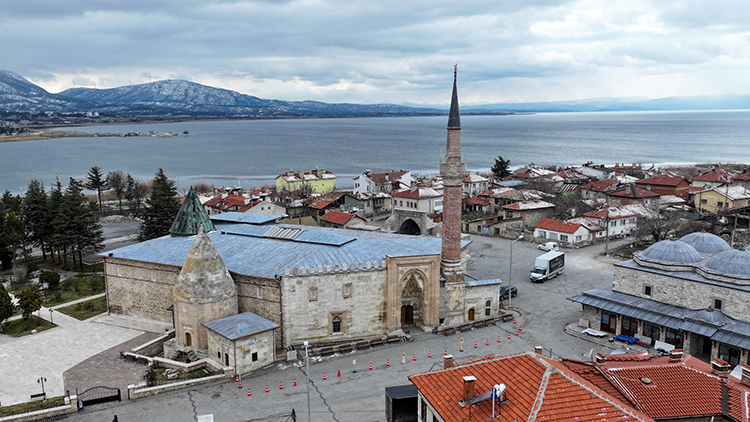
(542, 310)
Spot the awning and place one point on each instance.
(732, 339)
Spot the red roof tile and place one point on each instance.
(339, 218)
(633, 192)
(600, 185)
(381, 178)
(321, 205)
(537, 388)
(714, 175)
(662, 180)
(557, 225)
(476, 201)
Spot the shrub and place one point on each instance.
(51, 278)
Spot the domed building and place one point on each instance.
(692, 293)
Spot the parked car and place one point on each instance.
(504, 292)
(549, 246)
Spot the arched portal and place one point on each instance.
(412, 298)
(410, 227)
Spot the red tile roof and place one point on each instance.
(557, 225)
(633, 192)
(601, 185)
(321, 205)
(476, 201)
(714, 175)
(537, 388)
(420, 193)
(742, 177)
(662, 180)
(382, 178)
(222, 203)
(339, 218)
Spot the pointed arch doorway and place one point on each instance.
(412, 299)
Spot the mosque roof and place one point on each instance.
(706, 242)
(671, 251)
(191, 217)
(731, 262)
(266, 251)
(204, 275)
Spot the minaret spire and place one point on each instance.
(454, 118)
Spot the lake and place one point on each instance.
(254, 152)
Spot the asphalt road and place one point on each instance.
(542, 310)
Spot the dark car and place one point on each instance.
(504, 292)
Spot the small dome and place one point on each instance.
(706, 242)
(731, 262)
(711, 316)
(674, 251)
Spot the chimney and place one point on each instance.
(600, 359)
(469, 387)
(675, 355)
(538, 350)
(746, 374)
(447, 361)
(721, 368)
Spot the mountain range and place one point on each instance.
(174, 99)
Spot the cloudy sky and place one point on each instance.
(373, 51)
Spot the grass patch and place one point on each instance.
(627, 252)
(76, 287)
(21, 327)
(85, 310)
(31, 406)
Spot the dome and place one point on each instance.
(731, 262)
(674, 251)
(706, 242)
(711, 316)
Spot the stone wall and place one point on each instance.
(308, 315)
(687, 293)
(140, 289)
(476, 297)
(243, 349)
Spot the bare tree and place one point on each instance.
(203, 187)
(117, 181)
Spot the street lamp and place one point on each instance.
(307, 372)
(50, 316)
(510, 272)
(42, 380)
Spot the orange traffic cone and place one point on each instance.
(498, 339)
(488, 342)
(508, 336)
(516, 332)
(339, 374)
(429, 355)
(371, 366)
(520, 328)
(445, 353)
(476, 345)
(514, 320)
(324, 375)
(415, 357)
(388, 362)
(266, 388)
(248, 393)
(237, 378)
(281, 386)
(295, 383)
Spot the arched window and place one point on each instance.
(336, 324)
(471, 314)
(188, 340)
(488, 308)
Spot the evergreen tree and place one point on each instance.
(97, 182)
(501, 168)
(54, 209)
(6, 306)
(135, 191)
(37, 216)
(30, 299)
(12, 229)
(81, 231)
(160, 209)
(116, 182)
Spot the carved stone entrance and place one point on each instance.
(412, 298)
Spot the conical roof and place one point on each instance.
(204, 276)
(191, 217)
(454, 117)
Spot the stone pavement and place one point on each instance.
(50, 353)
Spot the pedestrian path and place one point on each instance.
(49, 353)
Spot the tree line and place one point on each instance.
(64, 225)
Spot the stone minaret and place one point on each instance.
(452, 172)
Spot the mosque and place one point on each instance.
(239, 288)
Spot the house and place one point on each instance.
(666, 185)
(475, 204)
(531, 172)
(535, 388)
(720, 199)
(227, 202)
(622, 220)
(530, 212)
(691, 293)
(474, 184)
(374, 203)
(500, 197)
(318, 180)
(413, 210)
(629, 194)
(340, 220)
(714, 177)
(742, 179)
(369, 182)
(597, 190)
(570, 233)
(673, 388)
(267, 207)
